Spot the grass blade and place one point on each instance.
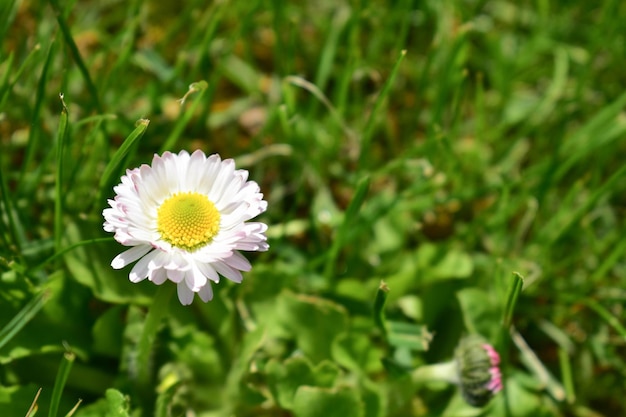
(34, 406)
(59, 383)
(22, 318)
(7, 211)
(380, 100)
(8, 10)
(379, 307)
(33, 134)
(70, 248)
(349, 217)
(534, 364)
(562, 221)
(197, 87)
(6, 88)
(58, 201)
(609, 318)
(118, 157)
(511, 300)
(69, 40)
(566, 376)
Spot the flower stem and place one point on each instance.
(157, 310)
(446, 372)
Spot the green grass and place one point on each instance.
(470, 154)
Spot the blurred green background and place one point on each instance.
(447, 148)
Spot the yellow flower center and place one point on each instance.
(188, 220)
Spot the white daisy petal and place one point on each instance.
(185, 218)
(129, 256)
(227, 271)
(237, 261)
(185, 295)
(176, 275)
(206, 293)
(208, 272)
(195, 279)
(158, 276)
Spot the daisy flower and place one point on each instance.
(185, 218)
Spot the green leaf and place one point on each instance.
(356, 352)
(90, 265)
(285, 378)
(115, 404)
(479, 312)
(408, 335)
(107, 332)
(327, 402)
(314, 323)
(440, 263)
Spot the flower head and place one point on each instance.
(479, 371)
(185, 218)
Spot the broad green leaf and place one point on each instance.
(328, 402)
(373, 398)
(440, 263)
(115, 404)
(479, 313)
(356, 352)
(107, 332)
(90, 265)
(285, 378)
(314, 323)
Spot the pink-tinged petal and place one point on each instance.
(206, 293)
(208, 271)
(228, 272)
(238, 261)
(158, 276)
(141, 270)
(176, 275)
(195, 280)
(185, 295)
(494, 357)
(129, 256)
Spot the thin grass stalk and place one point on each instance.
(197, 87)
(59, 199)
(368, 131)
(116, 161)
(69, 40)
(348, 221)
(59, 383)
(23, 317)
(33, 134)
